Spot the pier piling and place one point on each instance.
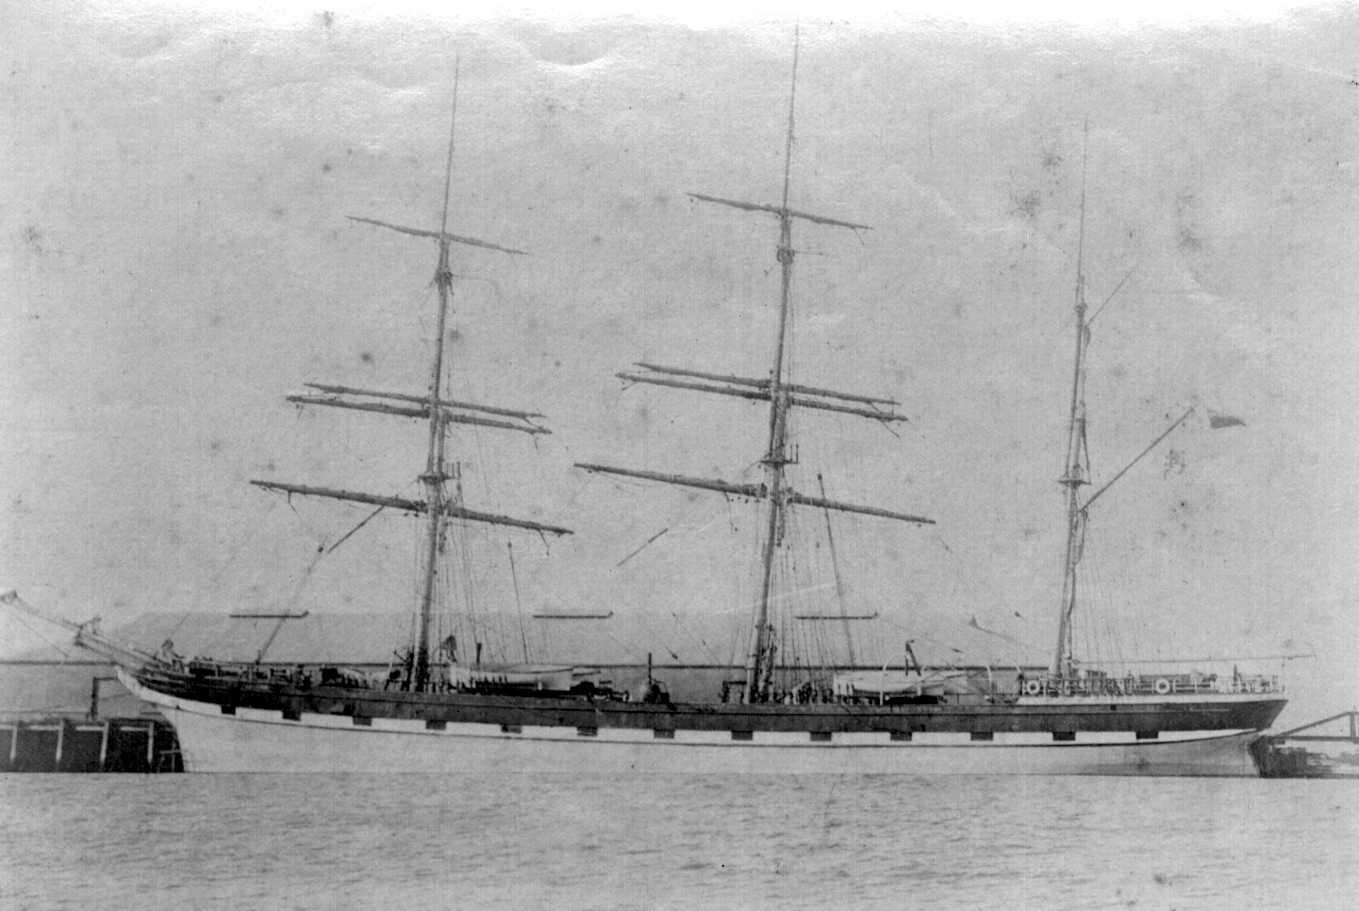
(70, 745)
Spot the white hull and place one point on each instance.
(263, 741)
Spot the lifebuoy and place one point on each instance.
(1033, 687)
(1162, 686)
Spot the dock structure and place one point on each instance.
(1278, 756)
(64, 741)
(64, 744)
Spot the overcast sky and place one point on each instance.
(176, 259)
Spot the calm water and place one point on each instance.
(300, 841)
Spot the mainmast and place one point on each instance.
(782, 397)
(439, 412)
(776, 453)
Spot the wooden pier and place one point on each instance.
(1293, 754)
(61, 744)
(57, 739)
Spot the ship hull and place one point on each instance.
(254, 739)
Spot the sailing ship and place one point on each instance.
(440, 712)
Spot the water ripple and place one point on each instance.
(572, 841)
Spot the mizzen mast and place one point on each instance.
(782, 396)
(1075, 472)
(438, 506)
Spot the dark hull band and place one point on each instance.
(1196, 713)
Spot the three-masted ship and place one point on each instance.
(437, 713)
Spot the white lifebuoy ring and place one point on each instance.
(1162, 686)
(1033, 687)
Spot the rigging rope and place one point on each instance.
(34, 630)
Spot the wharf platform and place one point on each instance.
(65, 744)
(1318, 749)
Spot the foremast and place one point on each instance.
(438, 506)
(782, 396)
(435, 477)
